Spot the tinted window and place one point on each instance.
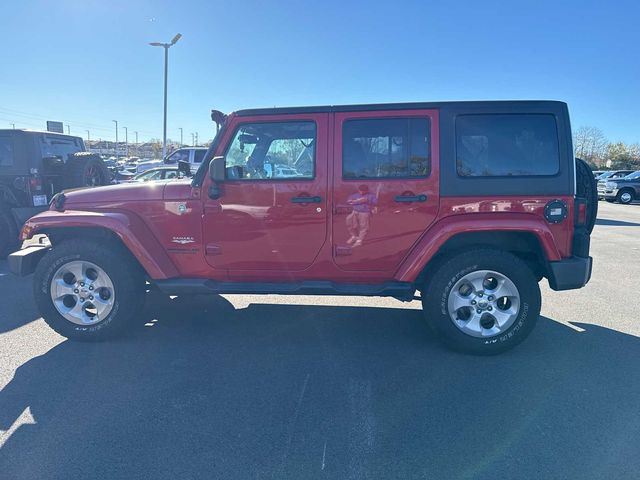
(272, 150)
(506, 145)
(61, 147)
(198, 155)
(386, 148)
(6, 151)
(178, 156)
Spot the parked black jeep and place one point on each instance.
(33, 167)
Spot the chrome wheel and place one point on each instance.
(82, 292)
(625, 197)
(483, 303)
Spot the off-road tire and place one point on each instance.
(8, 232)
(85, 169)
(587, 188)
(435, 300)
(622, 199)
(126, 276)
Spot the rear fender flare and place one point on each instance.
(439, 233)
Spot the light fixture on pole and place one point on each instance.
(116, 122)
(166, 47)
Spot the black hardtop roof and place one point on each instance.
(24, 130)
(515, 104)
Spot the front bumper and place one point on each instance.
(23, 262)
(570, 273)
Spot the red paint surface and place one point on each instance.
(254, 232)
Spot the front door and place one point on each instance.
(385, 186)
(272, 212)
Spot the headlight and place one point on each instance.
(611, 185)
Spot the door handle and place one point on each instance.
(306, 199)
(410, 198)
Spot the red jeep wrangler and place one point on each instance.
(470, 204)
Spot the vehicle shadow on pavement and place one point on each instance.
(201, 390)
(615, 223)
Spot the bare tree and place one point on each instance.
(590, 144)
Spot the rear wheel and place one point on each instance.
(87, 291)
(625, 196)
(482, 301)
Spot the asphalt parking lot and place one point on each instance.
(248, 387)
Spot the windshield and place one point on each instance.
(605, 175)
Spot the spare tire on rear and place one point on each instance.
(586, 188)
(85, 169)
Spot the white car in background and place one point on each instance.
(193, 155)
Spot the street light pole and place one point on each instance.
(181, 142)
(68, 130)
(166, 47)
(88, 136)
(136, 137)
(117, 156)
(193, 140)
(126, 141)
(196, 143)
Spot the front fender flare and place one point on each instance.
(443, 230)
(129, 227)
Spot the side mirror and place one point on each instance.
(217, 174)
(217, 169)
(184, 168)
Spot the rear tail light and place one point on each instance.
(581, 211)
(35, 183)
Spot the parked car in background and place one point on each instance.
(610, 175)
(147, 165)
(34, 166)
(471, 204)
(597, 173)
(158, 173)
(192, 155)
(622, 190)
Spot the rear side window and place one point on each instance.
(6, 151)
(198, 155)
(386, 148)
(499, 145)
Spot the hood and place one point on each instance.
(139, 192)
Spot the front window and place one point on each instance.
(178, 156)
(272, 150)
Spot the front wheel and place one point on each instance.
(482, 301)
(86, 291)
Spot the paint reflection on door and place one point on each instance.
(385, 186)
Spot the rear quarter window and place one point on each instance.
(505, 145)
(6, 151)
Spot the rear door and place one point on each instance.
(385, 190)
(272, 213)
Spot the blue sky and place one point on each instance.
(88, 62)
